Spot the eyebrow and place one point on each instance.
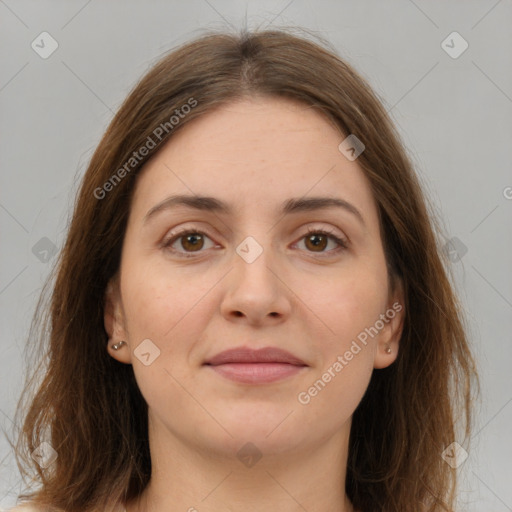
(212, 204)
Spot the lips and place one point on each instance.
(247, 355)
(256, 367)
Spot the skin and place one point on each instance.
(312, 301)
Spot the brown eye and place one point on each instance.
(192, 242)
(187, 242)
(317, 242)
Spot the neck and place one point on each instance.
(190, 478)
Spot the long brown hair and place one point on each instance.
(88, 407)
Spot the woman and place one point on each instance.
(250, 310)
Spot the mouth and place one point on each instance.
(261, 366)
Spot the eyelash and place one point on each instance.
(166, 244)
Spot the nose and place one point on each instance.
(256, 292)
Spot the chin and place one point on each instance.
(273, 429)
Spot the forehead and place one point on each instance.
(255, 153)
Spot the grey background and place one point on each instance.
(454, 116)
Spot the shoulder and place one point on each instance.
(24, 507)
(28, 506)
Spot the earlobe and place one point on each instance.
(388, 343)
(113, 320)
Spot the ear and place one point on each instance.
(389, 336)
(113, 318)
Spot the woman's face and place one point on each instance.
(258, 273)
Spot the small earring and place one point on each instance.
(117, 346)
(388, 349)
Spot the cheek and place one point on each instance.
(349, 307)
(158, 301)
(170, 310)
(352, 303)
